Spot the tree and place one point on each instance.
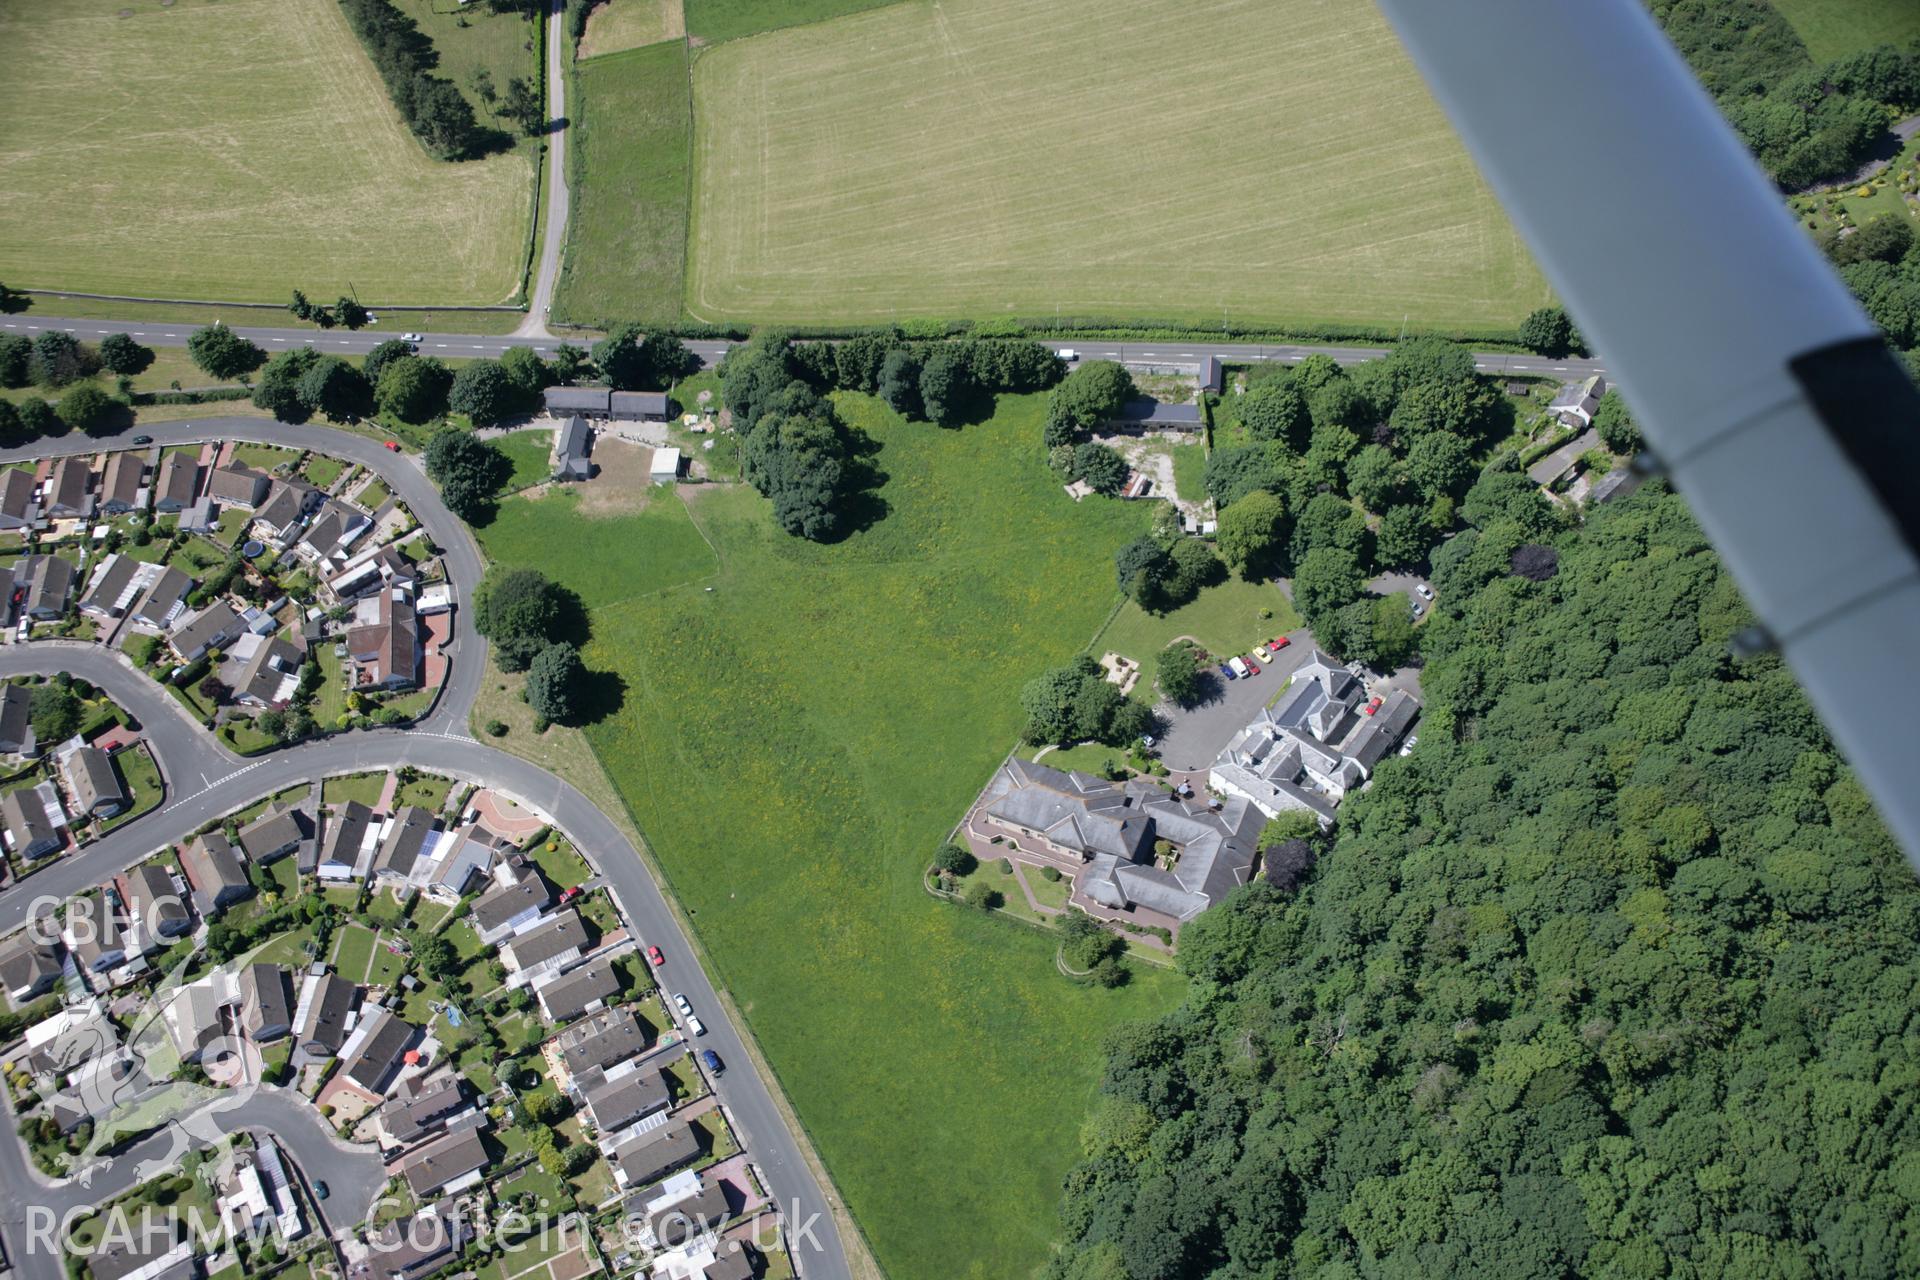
(1374, 477)
(556, 683)
(1614, 423)
(982, 896)
(1549, 332)
(349, 312)
(1233, 472)
(58, 359)
(1328, 521)
(521, 612)
(630, 361)
(11, 431)
(1077, 701)
(278, 391)
(1326, 578)
(1195, 567)
(485, 392)
(1094, 393)
(1885, 238)
(37, 418)
(954, 860)
(797, 459)
(1177, 671)
(947, 386)
(56, 712)
(120, 354)
(383, 355)
(1439, 464)
(521, 105)
(899, 382)
(1252, 532)
(568, 362)
(87, 408)
(1100, 466)
(16, 360)
(1275, 409)
(414, 389)
(468, 470)
(1144, 571)
(528, 371)
(1403, 537)
(222, 353)
(300, 307)
(337, 389)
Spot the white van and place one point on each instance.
(1069, 354)
(1239, 666)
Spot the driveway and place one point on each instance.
(1197, 734)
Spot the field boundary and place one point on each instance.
(261, 306)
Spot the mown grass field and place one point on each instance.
(1255, 160)
(234, 150)
(794, 744)
(1225, 619)
(1834, 28)
(618, 25)
(627, 238)
(606, 560)
(717, 20)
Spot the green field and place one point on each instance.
(796, 741)
(1224, 619)
(234, 150)
(627, 237)
(599, 557)
(531, 453)
(717, 20)
(618, 25)
(979, 157)
(1834, 28)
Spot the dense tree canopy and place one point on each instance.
(1076, 702)
(88, 408)
(1612, 976)
(468, 470)
(222, 353)
(1093, 393)
(120, 354)
(521, 612)
(486, 392)
(414, 389)
(556, 680)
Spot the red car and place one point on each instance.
(1281, 643)
(655, 958)
(1253, 668)
(1374, 705)
(394, 445)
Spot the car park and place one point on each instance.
(711, 1061)
(654, 957)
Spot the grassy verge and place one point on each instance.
(626, 239)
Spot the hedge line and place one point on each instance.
(1114, 330)
(209, 396)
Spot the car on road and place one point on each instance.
(712, 1061)
(1426, 592)
(1069, 354)
(696, 1026)
(393, 446)
(1226, 669)
(321, 1190)
(143, 439)
(654, 957)
(680, 1003)
(1374, 705)
(1279, 643)
(411, 337)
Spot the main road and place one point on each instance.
(205, 780)
(1173, 352)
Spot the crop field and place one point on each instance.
(626, 245)
(1269, 160)
(1834, 28)
(795, 743)
(233, 151)
(717, 20)
(617, 25)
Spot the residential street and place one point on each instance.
(205, 780)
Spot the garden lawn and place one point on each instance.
(142, 777)
(859, 694)
(147, 200)
(960, 160)
(531, 453)
(1190, 472)
(627, 236)
(353, 951)
(606, 559)
(1224, 619)
(321, 471)
(364, 787)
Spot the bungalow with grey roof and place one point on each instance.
(154, 909)
(121, 488)
(277, 520)
(28, 967)
(163, 601)
(34, 821)
(375, 1051)
(93, 782)
(48, 583)
(272, 675)
(551, 945)
(154, 1249)
(512, 907)
(114, 587)
(415, 1248)
(69, 490)
(178, 482)
(214, 873)
(1212, 376)
(644, 1156)
(619, 1097)
(565, 996)
(213, 627)
(447, 1165)
(266, 1000)
(320, 1023)
(599, 1043)
(16, 720)
(195, 1014)
(686, 1211)
(19, 508)
(410, 829)
(273, 834)
(383, 645)
(1147, 413)
(238, 485)
(95, 931)
(346, 853)
(1576, 402)
(421, 1108)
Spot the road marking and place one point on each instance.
(139, 333)
(476, 347)
(441, 345)
(1559, 368)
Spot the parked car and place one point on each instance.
(411, 337)
(1374, 705)
(571, 892)
(654, 957)
(680, 1003)
(393, 446)
(321, 1190)
(1261, 652)
(143, 439)
(1426, 592)
(1253, 668)
(1226, 669)
(712, 1061)
(1146, 740)
(696, 1026)
(1239, 666)
(1281, 643)
(1418, 608)
(1069, 354)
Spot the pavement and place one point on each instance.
(558, 197)
(206, 781)
(1183, 353)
